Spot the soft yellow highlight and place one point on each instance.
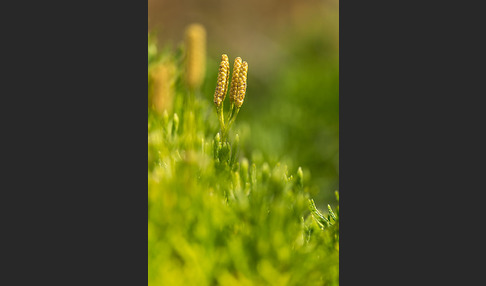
(195, 41)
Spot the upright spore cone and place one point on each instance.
(241, 85)
(234, 80)
(163, 76)
(195, 41)
(222, 84)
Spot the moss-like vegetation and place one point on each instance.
(219, 213)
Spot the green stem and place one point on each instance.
(231, 111)
(221, 117)
(230, 122)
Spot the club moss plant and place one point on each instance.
(216, 217)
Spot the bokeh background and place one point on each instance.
(291, 110)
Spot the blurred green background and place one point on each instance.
(291, 110)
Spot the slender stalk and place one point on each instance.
(231, 111)
(221, 118)
(231, 120)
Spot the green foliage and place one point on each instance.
(216, 217)
(298, 102)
